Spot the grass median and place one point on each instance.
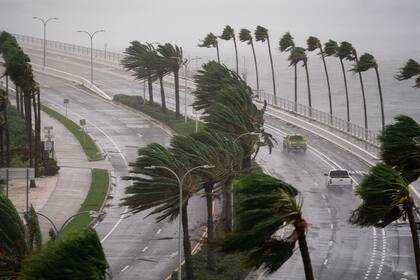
(89, 147)
(155, 111)
(94, 199)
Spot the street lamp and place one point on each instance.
(44, 22)
(180, 182)
(91, 49)
(91, 213)
(185, 78)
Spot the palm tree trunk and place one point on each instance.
(346, 90)
(272, 70)
(36, 146)
(218, 54)
(22, 103)
(414, 235)
(304, 250)
(6, 127)
(328, 81)
(380, 97)
(296, 96)
(236, 55)
(256, 68)
(176, 80)
(1, 146)
(150, 87)
(28, 123)
(309, 89)
(187, 244)
(208, 188)
(363, 95)
(162, 94)
(227, 207)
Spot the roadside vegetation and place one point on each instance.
(88, 145)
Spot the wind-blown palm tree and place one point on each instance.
(314, 43)
(158, 189)
(297, 55)
(227, 34)
(261, 34)
(173, 60)
(410, 69)
(246, 36)
(385, 198)
(286, 44)
(366, 62)
(268, 205)
(219, 150)
(210, 41)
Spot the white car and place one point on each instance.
(338, 177)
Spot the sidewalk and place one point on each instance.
(60, 196)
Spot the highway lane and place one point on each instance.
(343, 258)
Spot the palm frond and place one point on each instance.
(245, 36)
(261, 33)
(228, 33)
(286, 42)
(330, 48)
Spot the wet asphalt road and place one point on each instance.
(338, 250)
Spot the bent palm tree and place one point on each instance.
(210, 41)
(385, 198)
(261, 34)
(158, 189)
(410, 69)
(268, 205)
(286, 44)
(229, 33)
(173, 60)
(297, 55)
(366, 62)
(313, 44)
(245, 36)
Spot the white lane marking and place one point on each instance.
(326, 262)
(329, 210)
(145, 249)
(125, 268)
(159, 231)
(139, 135)
(332, 226)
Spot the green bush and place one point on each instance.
(48, 167)
(18, 162)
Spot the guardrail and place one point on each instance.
(324, 118)
(301, 110)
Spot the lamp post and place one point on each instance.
(91, 49)
(180, 182)
(44, 22)
(185, 87)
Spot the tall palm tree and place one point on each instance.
(385, 198)
(261, 34)
(410, 69)
(246, 36)
(366, 62)
(174, 60)
(227, 34)
(314, 43)
(210, 41)
(286, 44)
(219, 150)
(268, 205)
(158, 189)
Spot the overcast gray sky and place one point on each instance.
(383, 27)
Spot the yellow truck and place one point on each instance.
(294, 142)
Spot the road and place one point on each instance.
(338, 250)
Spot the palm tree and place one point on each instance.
(268, 205)
(229, 33)
(210, 41)
(261, 34)
(245, 36)
(286, 44)
(366, 62)
(385, 198)
(314, 43)
(410, 69)
(400, 149)
(158, 189)
(219, 150)
(173, 60)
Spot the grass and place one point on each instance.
(88, 145)
(155, 111)
(94, 199)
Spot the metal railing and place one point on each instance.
(103, 55)
(301, 110)
(324, 118)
